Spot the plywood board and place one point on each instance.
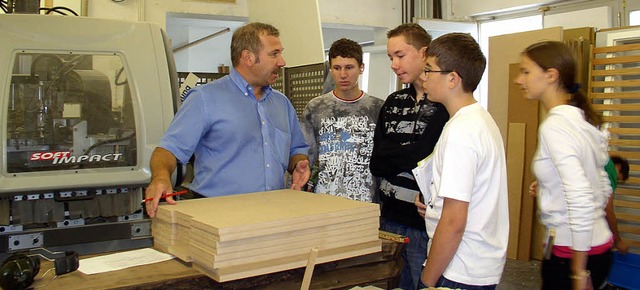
(159, 236)
(163, 247)
(503, 51)
(169, 233)
(181, 252)
(158, 225)
(285, 232)
(278, 239)
(166, 213)
(318, 222)
(239, 272)
(250, 256)
(515, 169)
(522, 110)
(255, 213)
(586, 35)
(280, 245)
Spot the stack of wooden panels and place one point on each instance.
(171, 232)
(245, 235)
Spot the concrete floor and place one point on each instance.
(520, 275)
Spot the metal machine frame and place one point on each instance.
(92, 205)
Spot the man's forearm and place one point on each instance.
(162, 164)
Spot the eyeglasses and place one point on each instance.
(428, 70)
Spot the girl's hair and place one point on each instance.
(555, 54)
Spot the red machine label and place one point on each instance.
(49, 155)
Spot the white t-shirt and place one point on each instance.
(469, 165)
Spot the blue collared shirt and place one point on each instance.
(240, 144)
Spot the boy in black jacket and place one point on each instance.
(407, 130)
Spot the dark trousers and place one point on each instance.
(556, 271)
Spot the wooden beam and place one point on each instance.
(612, 72)
(628, 191)
(627, 204)
(632, 243)
(626, 154)
(629, 229)
(625, 131)
(628, 217)
(615, 60)
(621, 119)
(616, 48)
(516, 140)
(633, 181)
(609, 84)
(308, 271)
(616, 95)
(616, 107)
(624, 142)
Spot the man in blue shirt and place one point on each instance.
(244, 134)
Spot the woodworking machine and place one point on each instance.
(83, 103)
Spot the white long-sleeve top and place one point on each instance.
(573, 186)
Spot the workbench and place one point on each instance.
(381, 270)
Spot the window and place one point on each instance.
(634, 18)
(69, 111)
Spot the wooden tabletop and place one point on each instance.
(382, 268)
(140, 275)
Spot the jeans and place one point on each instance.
(414, 253)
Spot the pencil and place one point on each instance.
(167, 195)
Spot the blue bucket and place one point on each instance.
(625, 271)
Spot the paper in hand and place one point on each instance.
(424, 176)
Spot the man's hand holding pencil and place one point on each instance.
(158, 189)
(167, 195)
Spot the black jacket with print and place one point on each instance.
(405, 134)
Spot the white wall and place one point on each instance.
(299, 25)
(459, 9)
(379, 13)
(600, 18)
(156, 10)
(74, 5)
